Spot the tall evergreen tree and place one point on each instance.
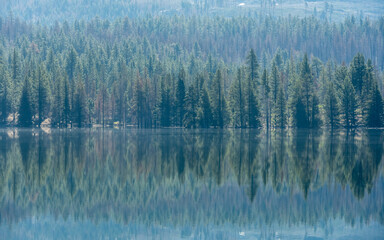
(331, 106)
(218, 101)
(67, 104)
(71, 63)
(280, 117)
(165, 104)
(42, 95)
(204, 114)
(180, 97)
(358, 71)
(307, 87)
(80, 105)
(265, 91)
(5, 94)
(57, 110)
(274, 82)
(375, 115)
(253, 112)
(237, 101)
(349, 103)
(190, 117)
(297, 106)
(25, 111)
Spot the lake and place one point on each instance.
(191, 184)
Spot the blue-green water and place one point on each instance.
(191, 184)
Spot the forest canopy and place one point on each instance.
(193, 72)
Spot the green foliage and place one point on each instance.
(349, 104)
(25, 110)
(236, 101)
(165, 103)
(180, 97)
(331, 106)
(218, 102)
(43, 95)
(375, 114)
(140, 73)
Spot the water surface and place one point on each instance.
(191, 184)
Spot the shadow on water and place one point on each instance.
(192, 179)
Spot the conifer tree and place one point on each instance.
(358, 71)
(5, 94)
(375, 115)
(57, 110)
(274, 82)
(204, 114)
(253, 112)
(190, 116)
(71, 63)
(42, 95)
(349, 104)
(25, 111)
(280, 118)
(237, 101)
(180, 97)
(140, 103)
(80, 105)
(266, 98)
(307, 87)
(331, 106)
(165, 104)
(218, 101)
(298, 112)
(67, 104)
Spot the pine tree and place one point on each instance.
(237, 101)
(331, 106)
(367, 90)
(280, 118)
(204, 114)
(307, 87)
(71, 63)
(349, 103)
(16, 68)
(298, 112)
(218, 101)
(67, 104)
(80, 105)
(180, 97)
(315, 121)
(16, 83)
(253, 112)
(274, 82)
(57, 110)
(375, 115)
(139, 102)
(165, 104)
(358, 71)
(42, 95)
(25, 111)
(266, 98)
(190, 117)
(5, 95)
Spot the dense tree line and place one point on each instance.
(224, 38)
(141, 73)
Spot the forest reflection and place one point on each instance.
(192, 177)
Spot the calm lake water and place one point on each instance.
(191, 184)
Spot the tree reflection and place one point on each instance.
(192, 177)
